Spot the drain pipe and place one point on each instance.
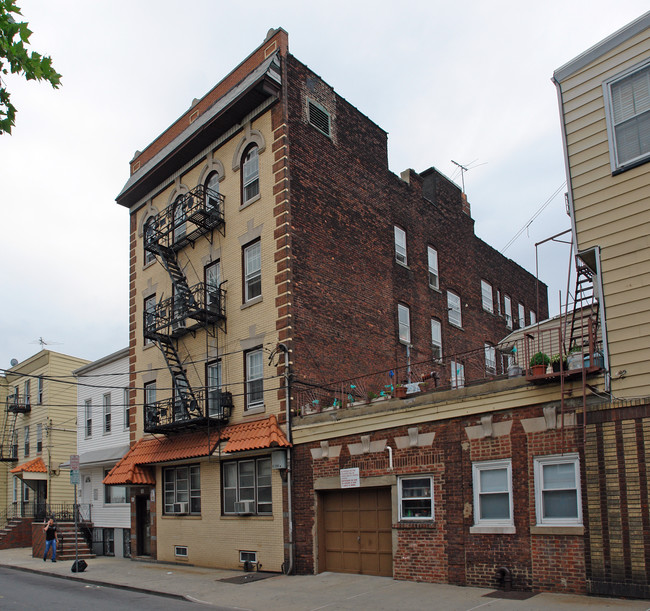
(390, 457)
(504, 577)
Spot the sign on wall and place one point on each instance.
(350, 478)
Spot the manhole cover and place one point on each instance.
(512, 595)
(248, 577)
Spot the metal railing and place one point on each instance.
(19, 404)
(39, 511)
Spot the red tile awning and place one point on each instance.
(31, 470)
(133, 468)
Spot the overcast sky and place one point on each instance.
(464, 81)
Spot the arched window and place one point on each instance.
(180, 214)
(149, 237)
(212, 191)
(250, 174)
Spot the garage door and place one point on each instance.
(355, 533)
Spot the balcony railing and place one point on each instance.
(186, 220)
(178, 315)
(18, 404)
(212, 406)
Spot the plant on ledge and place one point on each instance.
(539, 363)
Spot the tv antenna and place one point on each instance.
(42, 342)
(466, 168)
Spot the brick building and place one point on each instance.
(271, 243)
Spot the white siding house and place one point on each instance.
(102, 439)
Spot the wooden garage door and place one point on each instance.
(355, 533)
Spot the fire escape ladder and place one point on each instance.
(585, 307)
(7, 436)
(185, 403)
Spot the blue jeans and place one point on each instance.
(48, 545)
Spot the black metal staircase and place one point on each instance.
(8, 443)
(188, 309)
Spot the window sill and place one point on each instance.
(256, 409)
(406, 524)
(148, 264)
(435, 289)
(459, 327)
(235, 516)
(181, 515)
(549, 529)
(492, 530)
(250, 201)
(252, 302)
(404, 265)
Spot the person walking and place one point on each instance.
(51, 539)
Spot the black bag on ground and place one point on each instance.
(79, 566)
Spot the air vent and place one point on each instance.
(319, 117)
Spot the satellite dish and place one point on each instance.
(14, 362)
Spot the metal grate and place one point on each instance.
(319, 118)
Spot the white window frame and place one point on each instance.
(532, 316)
(212, 276)
(252, 270)
(240, 492)
(126, 408)
(457, 374)
(539, 463)
(490, 359)
(114, 495)
(432, 262)
(507, 310)
(106, 411)
(522, 315)
(454, 310)
(88, 418)
(254, 376)
(400, 245)
(436, 338)
(404, 322)
(147, 229)
(26, 447)
(487, 298)
(613, 123)
(175, 492)
(213, 379)
(501, 525)
(250, 175)
(149, 307)
(428, 494)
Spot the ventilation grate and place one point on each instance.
(319, 118)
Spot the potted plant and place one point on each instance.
(558, 362)
(574, 358)
(539, 363)
(399, 392)
(370, 397)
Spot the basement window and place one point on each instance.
(180, 551)
(318, 117)
(250, 557)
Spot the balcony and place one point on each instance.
(18, 404)
(176, 316)
(185, 221)
(210, 408)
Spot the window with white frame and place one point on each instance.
(457, 374)
(150, 414)
(522, 315)
(247, 486)
(628, 116)
(507, 311)
(212, 191)
(126, 408)
(182, 490)
(114, 494)
(416, 498)
(254, 378)
(252, 271)
(214, 389)
(26, 447)
(404, 319)
(180, 217)
(40, 390)
(39, 438)
(533, 317)
(492, 482)
(490, 359)
(106, 404)
(436, 338)
(88, 417)
(486, 296)
(453, 309)
(27, 387)
(149, 316)
(212, 273)
(498, 302)
(148, 231)
(250, 174)
(432, 261)
(557, 490)
(400, 245)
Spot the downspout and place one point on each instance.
(603, 322)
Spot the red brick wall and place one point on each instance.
(17, 534)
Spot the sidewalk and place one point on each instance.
(330, 591)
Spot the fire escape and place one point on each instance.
(8, 437)
(201, 306)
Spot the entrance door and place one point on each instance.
(356, 532)
(143, 525)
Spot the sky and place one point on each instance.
(468, 82)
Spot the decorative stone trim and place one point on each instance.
(366, 446)
(325, 451)
(550, 421)
(415, 439)
(488, 428)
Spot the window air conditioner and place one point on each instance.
(178, 324)
(245, 507)
(181, 507)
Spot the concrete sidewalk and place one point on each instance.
(331, 591)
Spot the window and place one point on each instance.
(109, 541)
(149, 316)
(126, 408)
(106, 402)
(180, 216)
(533, 317)
(247, 486)
(214, 389)
(628, 116)
(492, 493)
(403, 317)
(39, 438)
(150, 402)
(88, 417)
(416, 498)
(507, 311)
(182, 489)
(453, 308)
(26, 440)
(25, 493)
(212, 191)
(436, 338)
(318, 117)
(114, 494)
(522, 315)
(457, 374)
(499, 302)
(557, 490)
(486, 295)
(400, 245)
(490, 359)
(149, 233)
(246, 556)
(252, 271)
(254, 378)
(250, 175)
(212, 274)
(432, 261)
(180, 551)
(14, 445)
(27, 392)
(40, 390)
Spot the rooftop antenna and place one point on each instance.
(43, 342)
(463, 169)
